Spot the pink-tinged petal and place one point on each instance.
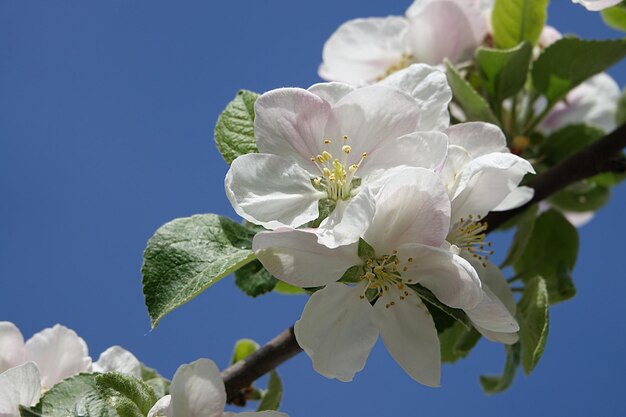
(412, 207)
(429, 87)
(271, 191)
(597, 5)
(370, 116)
(451, 29)
(19, 386)
(361, 51)
(162, 408)
(418, 149)
(59, 353)
(517, 198)
(348, 221)
(118, 359)
(409, 333)
(296, 257)
(289, 122)
(337, 330)
(331, 92)
(197, 390)
(478, 138)
(12, 352)
(451, 278)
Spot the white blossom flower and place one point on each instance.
(118, 359)
(331, 145)
(19, 385)
(341, 322)
(363, 51)
(197, 390)
(597, 5)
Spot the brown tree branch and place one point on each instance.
(601, 156)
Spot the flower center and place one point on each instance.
(469, 234)
(384, 275)
(405, 61)
(337, 176)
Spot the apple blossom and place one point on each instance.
(118, 359)
(19, 385)
(363, 51)
(341, 322)
(597, 5)
(197, 390)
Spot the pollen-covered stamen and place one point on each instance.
(384, 275)
(404, 61)
(469, 234)
(336, 176)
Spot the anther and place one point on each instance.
(346, 149)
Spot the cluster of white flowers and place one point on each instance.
(342, 168)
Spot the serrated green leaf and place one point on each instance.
(504, 72)
(474, 106)
(615, 17)
(273, 395)
(287, 289)
(254, 280)
(620, 114)
(516, 21)
(493, 384)
(234, 131)
(456, 342)
(186, 256)
(243, 349)
(117, 388)
(533, 319)
(525, 227)
(160, 386)
(570, 61)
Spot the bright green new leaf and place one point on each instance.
(287, 289)
(456, 342)
(243, 349)
(254, 280)
(493, 384)
(186, 256)
(234, 131)
(504, 72)
(273, 395)
(615, 17)
(124, 391)
(516, 21)
(525, 227)
(474, 106)
(532, 315)
(570, 61)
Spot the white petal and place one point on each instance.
(441, 29)
(289, 122)
(491, 314)
(456, 160)
(418, 149)
(295, 256)
(348, 221)
(271, 191)
(162, 408)
(548, 36)
(517, 198)
(197, 390)
(19, 386)
(117, 359)
(579, 219)
(362, 50)
(498, 337)
(409, 333)
(59, 353)
(492, 277)
(451, 278)
(337, 330)
(12, 351)
(597, 5)
(412, 207)
(331, 92)
(477, 138)
(429, 87)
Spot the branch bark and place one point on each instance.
(601, 156)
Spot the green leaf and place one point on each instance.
(160, 385)
(77, 396)
(432, 301)
(287, 289)
(493, 384)
(620, 114)
(582, 196)
(516, 21)
(570, 61)
(118, 388)
(234, 131)
(243, 349)
(525, 227)
(365, 251)
(615, 17)
(254, 280)
(474, 106)
(566, 141)
(532, 315)
(28, 412)
(504, 72)
(456, 342)
(553, 246)
(186, 256)
(271, 398)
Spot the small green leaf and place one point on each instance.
(565, 288)
(620, 114)
(474, 106)
(118, 388)
(582, 196)
(615, 17)
(287, 289)
(160, 385)
(456, 342)
(493, 384)
(533, 319)
(186, 256)
(504, 72)
(525, 227)
(365, 251)
(353, 274)
(271, 398)
(570, 61)
(234, 131)
(516, 21)
(243, 349)
(254, 280)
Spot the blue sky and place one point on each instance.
(106, 118)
